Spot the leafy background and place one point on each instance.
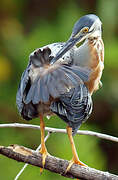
(28, 24)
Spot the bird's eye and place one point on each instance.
(85, 30)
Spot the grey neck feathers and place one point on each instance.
(81, 55)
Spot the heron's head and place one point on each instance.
(87, 26)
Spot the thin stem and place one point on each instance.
(55, 130)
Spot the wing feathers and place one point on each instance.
(42, 81)
(74, 107)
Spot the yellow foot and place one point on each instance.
(44, 155)
(74, 162)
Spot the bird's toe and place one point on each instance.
(74, 161)
(44, 155)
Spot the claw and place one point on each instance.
(69, 165)
(44, 155)
(75, 158)
(41, 170)
(73, 161)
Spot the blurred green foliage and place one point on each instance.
(27, 25)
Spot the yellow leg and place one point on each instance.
(43, 149)
(75, 158)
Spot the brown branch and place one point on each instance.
(23, 154)
(26, 164)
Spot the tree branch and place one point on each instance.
(54, 164)
(26, 164)
(23, 154)
(55, 130)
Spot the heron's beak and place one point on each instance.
(69, 44)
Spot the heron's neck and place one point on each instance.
(82, 54)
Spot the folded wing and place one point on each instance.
(42, 82)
